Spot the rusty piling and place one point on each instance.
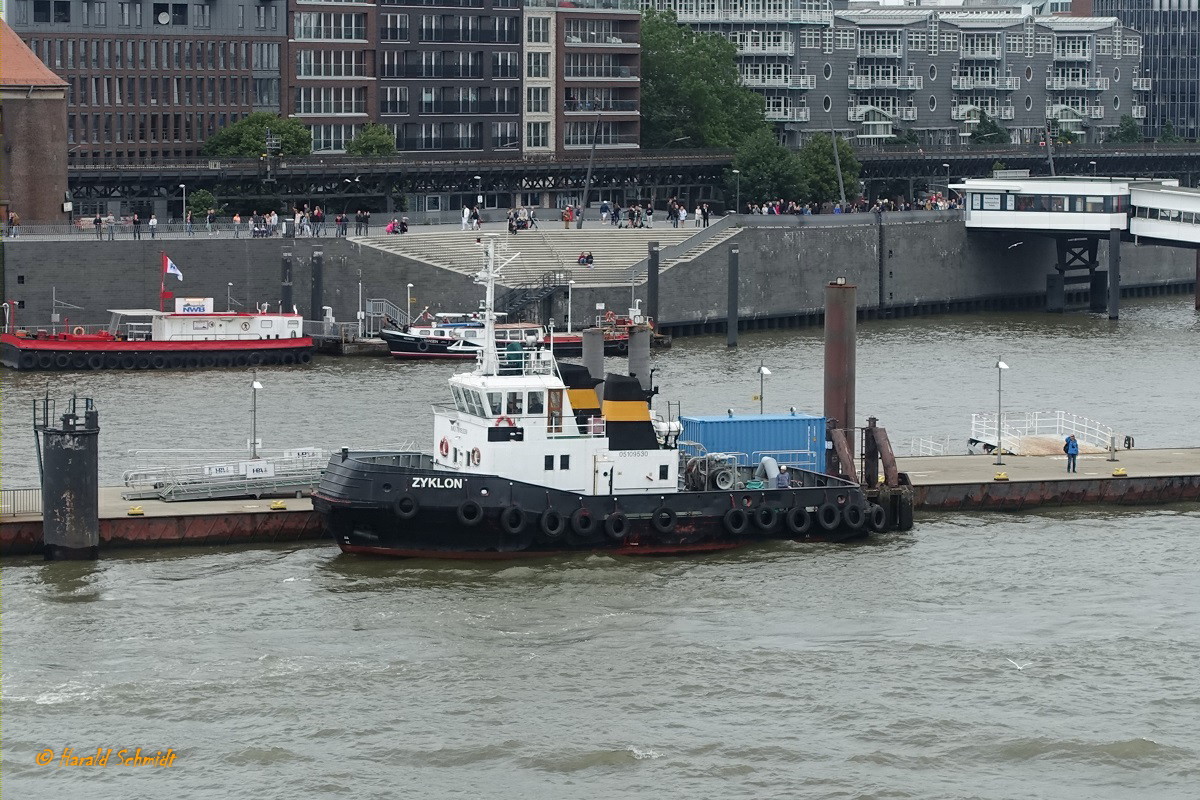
(841, 324)
(70, 464)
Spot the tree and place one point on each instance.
(769, 171)
(820, 174)
(989, 132)
(1167, 135)
(200, 201)
(905, 137)
(372, 140)
(1127, 131)
(248, 137)
(691, 88)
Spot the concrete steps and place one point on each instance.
(549, 249)
(701, 248)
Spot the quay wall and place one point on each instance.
(906, 266)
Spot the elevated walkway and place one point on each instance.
(549, 249)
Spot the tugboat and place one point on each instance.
(192, 336)
(528, 462)
(464, 339)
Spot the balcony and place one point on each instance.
(991, 51)
(903, 82)
(437, 144)
(860, 114)
(1141, 84)
(788, 114)
(457, 36)
(781, 81)
(880, 50)
(430, 71)
(594, 107)
(580, 141)
(760, 49)
(1095, 112)
(1072, 54)
(1073, 84)
(624, 6)
(907, 114)
(1005, 112)
(762, 15)
(970, 82)
(1068, 116)
(467, 107)
(615, 41)
(584, 72)
(1139, 112)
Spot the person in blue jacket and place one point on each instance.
(782, 480)
(1071, 448)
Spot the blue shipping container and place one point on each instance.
(797, 440)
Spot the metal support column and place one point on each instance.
(841, 324)
(317, 298)
(1114, 273)
(652, 280)
(285, 283)
(731, 303)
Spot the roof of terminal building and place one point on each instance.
(19, 66)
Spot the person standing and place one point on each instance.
(466, 217)
(209, 219)
(137, 226)
(153, 226)
(358, 219)
(237, 225)
(696, 215)
(10, 223)
(704, 210)
(367, 222)
(318, 221)
(16, 224)
(1071, 448)
(782, 481)
(191, 225)
(568, 215)
(98, 224)
(111, 223)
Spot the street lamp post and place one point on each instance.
(1000, 367)
(763, 372)
(1093, 163)
(408, 307)
(254, 387)
(183, 186)
(737, 203)
(947, 168)
(570, 285)
(479, 192)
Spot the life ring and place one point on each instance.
(476, 456)
(552, 524)
(470, 513)
(609, 316)
(877, 520)
(78, 330)
(444, 447)
(616, 525)
(582, 522)
(736, 520)
(828, 516)
(512, 519)
(798, 520)
(766, 518)
(511, 422)
(406, 506)
(663, 519)
(246, 325)
(423, 345)
(854, 516)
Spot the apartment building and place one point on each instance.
(152, 80)
(875, 70)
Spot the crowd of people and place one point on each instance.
(932, 202)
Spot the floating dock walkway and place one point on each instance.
(940, 483)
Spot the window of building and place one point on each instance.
(827, 103)
(1029, 73)
(537, 30)
(537, 99)
(917, 41)
(504, 65)
(845, 38)
(537, 134)
(933, 72)
(1028, 102)
(393, 27)
(932, 103)
(1116, 101)
(506, 134)
(124, 16)
(538, 65)
(827, 71)
(200, 16)
(393, 100)
(260, 16)
(1043, 43)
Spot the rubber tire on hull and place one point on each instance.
(191, 362)
(828, 517)
(62, 361)
(470, 513)
(766, 518)
(112, 361)
(904, 517)
(142, 362)
(582, 522)
(240, 360)
(736, 520)
(175, 362)
(854, 517)
(79, 362)
(224, 360)
(287, 359)
(664, 519)
(513, 519)
(406, 506)
(877, 520)
(304, 358)
(552, 524)
(798, 521)
(209, 360)
(158, 362)
(616, 526)
(27, 360)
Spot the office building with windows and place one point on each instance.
(1170, 58)
(152, 80)
(876, 70)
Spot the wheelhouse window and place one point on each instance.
(496, 403)
(514, 405)
(537, 405)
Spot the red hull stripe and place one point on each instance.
(492, 555)
(82, 345)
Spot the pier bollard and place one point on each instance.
(639, 356)
(70, 464)
(593, 358)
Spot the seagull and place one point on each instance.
(1018, 666)
(1015, 244)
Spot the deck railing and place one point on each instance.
(15, 502)
(1016, 425)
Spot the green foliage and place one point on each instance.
(906, 137)
(988, 132)
(1128, 131)
(372, 140)
(820, 174)
(1168, 135)
(997, 166)
(691, 89)
(199, 202)
(247, 138)
(769, 171)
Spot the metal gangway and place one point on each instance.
(172, 475)
(382, 313)
(931, 445)
(1041, 432)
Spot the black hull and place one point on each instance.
(375, 508)
(406, 347)
(144, 359)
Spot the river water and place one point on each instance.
(874, 670)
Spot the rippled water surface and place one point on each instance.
(783, 670)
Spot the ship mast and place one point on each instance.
(489, 361)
